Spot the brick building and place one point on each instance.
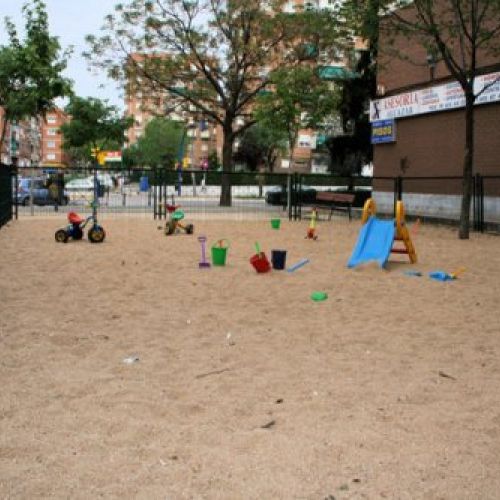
(22, 140)
(145, 103)
(38, 142)
(52, 153)
(423, 107)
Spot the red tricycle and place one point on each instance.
(74, 229)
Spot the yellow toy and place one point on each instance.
(311, 232)
(402, 233)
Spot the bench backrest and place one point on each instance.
(334, 197)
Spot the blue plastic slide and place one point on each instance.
(374, 242)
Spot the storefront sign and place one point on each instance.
(433, 99)
(383, 131)
(113, 156)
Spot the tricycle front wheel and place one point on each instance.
(96, 234)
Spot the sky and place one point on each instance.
(71, 21)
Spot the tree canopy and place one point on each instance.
(260, 146)
(160, 143)
(31, 69)
(93, 125)
(209, 57)
(299, 100)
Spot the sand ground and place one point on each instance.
(388, 389)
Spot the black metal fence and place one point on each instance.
(7, 183)
(253, 195)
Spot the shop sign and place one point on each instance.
(434, 99)
(383, 131)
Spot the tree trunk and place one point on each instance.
(227, 166)
(463, 232)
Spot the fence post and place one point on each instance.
(297, 207)
(398, 191)
(16, 180)
(480, 183)
(154, 183)
(289, 188)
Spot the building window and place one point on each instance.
(51, 119)
(204, 147)
(50, 156)
(52, 131)
(51, 144)
(304, 141)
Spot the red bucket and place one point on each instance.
(260, 263)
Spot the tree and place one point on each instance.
(208, 55)
(462, 34)
(350, 150)
(30, 70)
(93, 125)
(300, 100)
(260, 145)
(160, 143)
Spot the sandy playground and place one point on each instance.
(244, 387)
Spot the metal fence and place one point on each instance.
(7, 183)
(253, 195)
(147, 193)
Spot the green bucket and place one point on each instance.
(219, 253)
(275, 223)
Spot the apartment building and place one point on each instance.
(34, 142)
(22, 140)
(144, 104)
(52, 153)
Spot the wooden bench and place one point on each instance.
(331, 201)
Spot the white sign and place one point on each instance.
(432, 99)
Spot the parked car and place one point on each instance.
(38, 188)
(87, 183)
(278, 195)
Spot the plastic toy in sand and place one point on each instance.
(74, 229)
(311, 232)
(444, 276)
(413, 273)
(278, 259)
(376, 238)
(259, 261)
(319, 296)
(297, 265)
(203, 264)
(219, 252)
(275, 223)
